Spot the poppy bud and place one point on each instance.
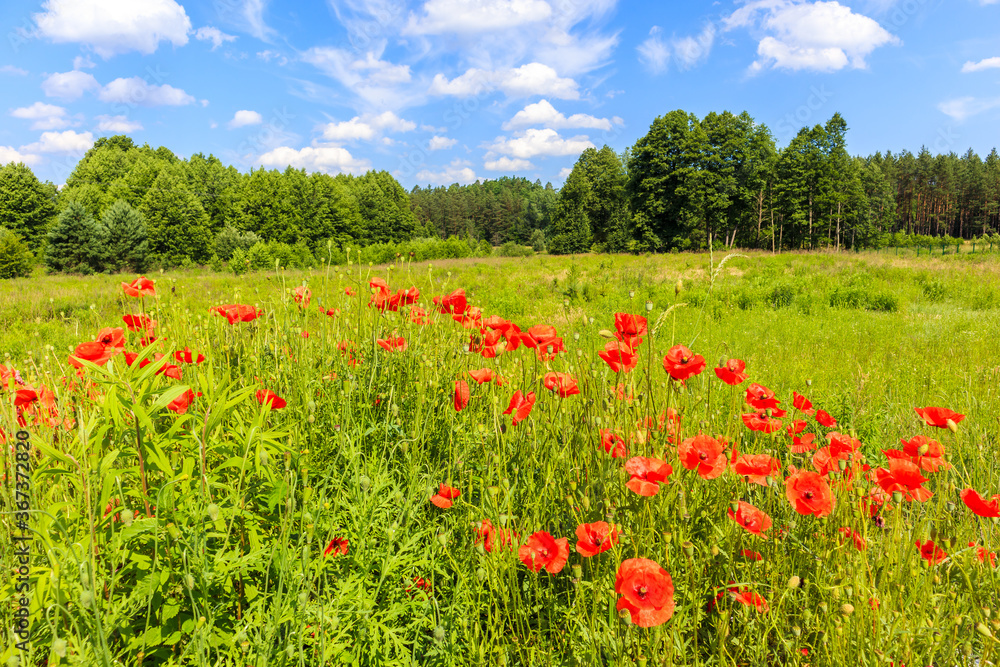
(585, 501)
(578, 571)
(443, 539)
(174, 532)
(189, 581)
(604, 333)
(847, 609)
(213, 512)
(981, 628)
(649, 306)
(678, 286)
(714, 550)
(809, 383)
(631, 294)
(952, 426)
(794, 582)
(797, 631)
(87, 599)
(127, 516)
(688, 548)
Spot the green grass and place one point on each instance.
(231, 571)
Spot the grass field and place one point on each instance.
(232, 531)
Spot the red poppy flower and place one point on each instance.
(595, 538)
(418, 583)
(408, 297)
(237, 312)
(732, 372)
(806, 443)
(747, 597)
(114, 338)
(796, 427)
(750, 554)
(983, 555)
(647, 592)
(979, 505)
(630, 329)
(520, 406)
(94, 352)
(760, 397)
(903, 476)
(939, 417)
(757, 467)
(613, 444)
(704, 454)
(824, 419)
(926, 453)
(139, 323)
(484, 375)
(809, 493)
(452, 304)
(268, 397)
(185, 356)
(493, 538)
(168, 370)
(618, 356)
(681, 363)
(931, 552)
(646, 475)
(445, 496)
(181, 404)
(803, 404)
(859, 542)
(419, 316)
(336, 547)
(543, 550)
(141, 286)
(761, 422)
(562, 383)
(25, 397)
(461, 395)
(393, 343)
(754, 520)
(826, 460)
(379, 285)
(349, 291)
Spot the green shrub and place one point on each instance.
(74, 243)
(781, 295)
(15, 259)
(230, 239)
(883, 302)
(239, 263)
(934, 290)
(260, 257)
(216, 264)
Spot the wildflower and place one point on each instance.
(113, 338)
(748, 598)
(939, 416)
(445, 496)
(562, 383)
(802, 404)
(809, 493)
(185, 356)
(824, 419)
(452, 304)
(493, 538)
(749, 554)
(595, 538)
(392, 343)
(732, 372)
(926, 453)
(484, 375)
(804, 444)
(859, 542)
(979, 505)
(756, 468)
(237, 312)
(520, 406)
(749, 517)
(983, 555)
(630, 329)
(760, 397)
(269, 398)
(139, 323)
(336, 547)
(302, 295)
(140, 287)
(646, 474)
(704, 454)
(647, 592)
(681, 363)
(181, 404)
(931, 552)
(903, 476)
(761, 422)
(461, 395)
(618, 356)
(543, 550)
(94, 352)
(613, 444)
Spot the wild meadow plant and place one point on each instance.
(345, 470)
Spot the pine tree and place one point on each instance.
(74, 241)
(26, 208)
(124, 237)
(15, 258)
(177, 224)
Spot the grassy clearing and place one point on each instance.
(199, 538)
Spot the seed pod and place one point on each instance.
(847, 609)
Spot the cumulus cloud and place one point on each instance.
(988, 63)
(69, 85)
(689, 51)
(473, 16)
(217, 37)
(565, 172)
(458, 171)
(243, 117)
(508, 164)
(523, 81)
(61, 142)
(542, 113)
(535, 142)
(965, 107)
(117, 124)
(326, 159)
(379, 83)
(83, 62)
(111, 27)
(16, 71)
(10, 154)
(367, 127)
(654, 52)
(819, 36)
(441, 143)
(45, 116)
(137, 91)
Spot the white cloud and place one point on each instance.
(83, 62)
(243, 117)
(46, 116)
(524, 81)
(367, 127)
(988, 63)
(654, 52)
(542, 113)
(11, 154)
(327, 159)
(441, 143)
(117, 124)
(458, 171)
(114, 26)
(61, 142)
(819, 36)
(473, 16)
(378, 83)
(689, 51)
(137, 91)
(268, 55)
(69, 85)
(217, 37)
(16, 71)
(535, 142)
(508, 164)
(965, 107)
(565, 172)
(253, 19)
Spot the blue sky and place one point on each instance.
(444, 91)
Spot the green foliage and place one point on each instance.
(16, 261)
(27, 207)
(123, 237)
(259, 257)
(75, 242)
(537, 241)
(511, 249)
(178, 225)
(239, 263)
(229, 239)
(217, 264)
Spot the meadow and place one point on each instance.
(682, 459)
